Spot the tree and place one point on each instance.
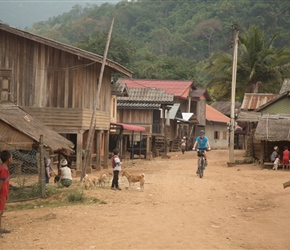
(122, 49)
(207, 29)
(260, 65)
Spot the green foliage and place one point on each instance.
(173, 40)
(55, 197)
(121, 50)
(76, 197)
(24, 192)
(260, 66)
(165, 67)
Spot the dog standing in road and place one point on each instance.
(102, 180)
(134, 178)
(88, 182)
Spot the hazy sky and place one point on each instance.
(23, 13)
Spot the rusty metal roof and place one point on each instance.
(253, 101)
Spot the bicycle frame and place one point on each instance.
(201, 162)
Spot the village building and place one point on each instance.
(217, 131)
(57, 84)
(191, 101)
(225, 108)
(143, 107)
(268, 123)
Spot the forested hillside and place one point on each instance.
(167, 39)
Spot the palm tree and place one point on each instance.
(260, 66)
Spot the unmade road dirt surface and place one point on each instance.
(241, 207)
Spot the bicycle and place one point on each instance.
(200, 162)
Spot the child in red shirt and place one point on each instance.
(6, 158)
(285, 160)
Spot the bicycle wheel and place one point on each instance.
(198, 167)
(201, 167)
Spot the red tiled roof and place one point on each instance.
(178, 88)
(215, 116)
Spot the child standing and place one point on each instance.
(285, 160)
(276, 162)
(116, 164)
(6, 158)
(48, 171)
(183, 144)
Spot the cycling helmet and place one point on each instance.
(202, 132)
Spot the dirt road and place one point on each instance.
(241, 207)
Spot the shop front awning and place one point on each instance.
(125, 126)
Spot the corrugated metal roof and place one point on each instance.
(138, 105)
(178, 88)
(253, 101)
(215, 116)
(285, 86)
(145, 98)
(270, 103)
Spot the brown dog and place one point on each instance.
(88, 182)
(134, 178)
(102, 180)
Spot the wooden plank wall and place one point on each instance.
(43, 76)
(69, 120)
(135, 116)
(11, 138)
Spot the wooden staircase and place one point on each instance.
(159, 144)
(175, 147)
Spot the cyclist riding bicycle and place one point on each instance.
(202, 143)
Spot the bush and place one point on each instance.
(76, 197)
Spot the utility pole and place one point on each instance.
(96, 106)
(233, 94)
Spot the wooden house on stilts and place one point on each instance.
(57, 84)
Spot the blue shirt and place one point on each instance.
(202, 142)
